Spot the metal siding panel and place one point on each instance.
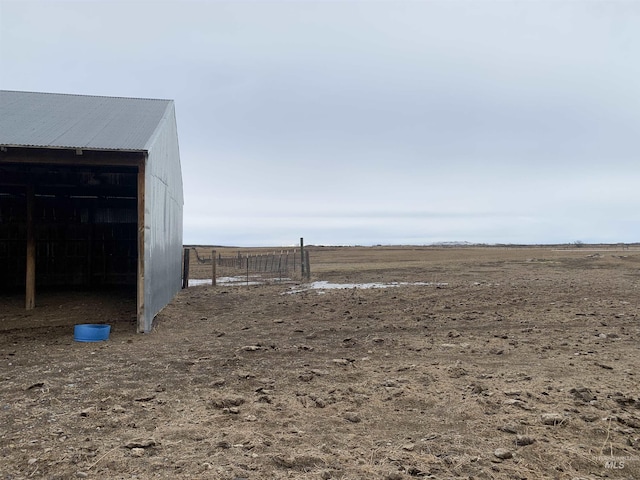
(78, 121)
(163, 220)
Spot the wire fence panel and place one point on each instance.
(204, 259)
(276, 264)
(243, 267)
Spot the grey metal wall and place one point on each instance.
(162, 219)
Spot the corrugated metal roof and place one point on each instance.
(54, 120)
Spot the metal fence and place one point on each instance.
(261, 266)
(284, 261)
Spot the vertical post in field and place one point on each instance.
(213, 268)
(185, 269)
(30, 289)
(307, 264)
(302, 257)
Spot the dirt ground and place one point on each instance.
(500, 363)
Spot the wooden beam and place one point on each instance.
(53, 156)
(140, 280)
(30, 289)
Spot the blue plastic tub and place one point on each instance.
(91, 332)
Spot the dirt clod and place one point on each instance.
(137, 452)
(352, 417)
(551, 418)
(141, 443)
(502, 453)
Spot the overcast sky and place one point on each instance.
(368, 122)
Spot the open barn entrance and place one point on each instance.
(91, 197)
(69, 225)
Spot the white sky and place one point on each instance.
(368, 122)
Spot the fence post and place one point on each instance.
(308, 266)
(302, 256)
(213, 268)
(185, 269)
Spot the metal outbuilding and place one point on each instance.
(90, 195)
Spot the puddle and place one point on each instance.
(323, 285)
(320, 286)
(239, 280)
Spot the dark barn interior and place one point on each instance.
(81, 214)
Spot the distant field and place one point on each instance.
(386, 259)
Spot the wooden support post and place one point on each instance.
(213, 268)
(185, 269)
(91, 233)
(30, 290)
(140, 273)
(307, 265)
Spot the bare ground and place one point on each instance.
(528, 354)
